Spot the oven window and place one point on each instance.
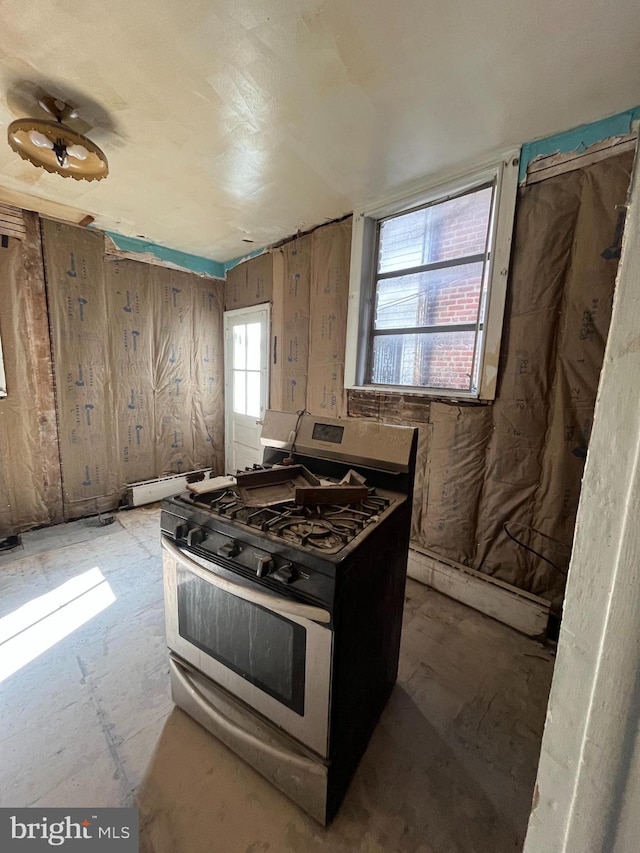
(261, 646)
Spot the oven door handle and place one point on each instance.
(256, 596)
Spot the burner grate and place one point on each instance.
(326, 528)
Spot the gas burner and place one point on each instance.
(325, 528)
(315, 532)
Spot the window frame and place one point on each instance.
(362, 278)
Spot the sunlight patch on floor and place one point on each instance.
(38, 625)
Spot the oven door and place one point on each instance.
(272, 653)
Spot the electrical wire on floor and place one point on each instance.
(558, 568)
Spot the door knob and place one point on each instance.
(259, 423)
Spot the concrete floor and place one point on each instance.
(86, 717)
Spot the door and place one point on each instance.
(246, 335)
(272, 653)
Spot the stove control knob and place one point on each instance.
(229, 549)
(286, 573)
(265, 564)
(195, 536)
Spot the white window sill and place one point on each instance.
(413, 391)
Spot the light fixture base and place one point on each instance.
(57, 109)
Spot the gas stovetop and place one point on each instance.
(325, 528)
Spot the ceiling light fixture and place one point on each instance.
(54, 146)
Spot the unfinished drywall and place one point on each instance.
(30, 491)
(138, 361)
(520, 461)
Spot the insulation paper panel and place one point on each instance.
(276, 368)
(37, 350)
(290, 326)
(557, 494)
(560, 297)
(510, 483)
(131, 322)
(582, 335)
(141, 385)
(330, 260)
(26, 495)
(172, 368)
(208, 375)
(457, 447)
(420, 485)
(249, 283)
(586, 311)
(84, 380)
(546, 214)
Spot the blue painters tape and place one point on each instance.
(191, 263)
(578, 138)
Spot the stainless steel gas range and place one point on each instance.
(283, 615)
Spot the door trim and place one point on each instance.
(228, 391)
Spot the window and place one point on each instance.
(430, 278)
(246, 369)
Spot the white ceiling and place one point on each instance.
(226, 120)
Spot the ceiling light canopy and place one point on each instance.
(56, 147)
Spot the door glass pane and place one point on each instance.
(437, 360)
(239, 395)
(435, 298)
(261, 646)
(239, 347)
(253, 394)
(452, 229)
(254, 340)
